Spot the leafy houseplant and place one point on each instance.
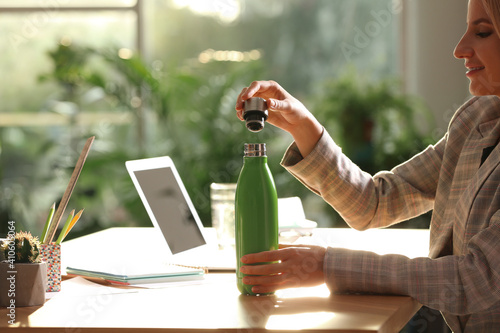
(373, 122)
(23, 276)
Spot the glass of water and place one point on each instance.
(222, 204)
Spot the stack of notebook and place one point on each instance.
(139, 273)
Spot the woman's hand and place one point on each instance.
(285, 112)
(296, 266)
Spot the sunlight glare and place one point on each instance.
(125, 53)
(228, 55)
(225, 10)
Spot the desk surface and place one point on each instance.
(214, 305)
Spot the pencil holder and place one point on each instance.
(51, 254)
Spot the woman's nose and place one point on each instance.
(463, 50)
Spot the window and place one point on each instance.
(196, 56)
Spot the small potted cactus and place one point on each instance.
(23, 275)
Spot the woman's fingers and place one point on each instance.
(266, 284)
(265, 256)
(276, 279)
(263, 269)
(262, 89)
(239, 104)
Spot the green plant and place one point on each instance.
(25, 247)
(373, 121)
(34, 170)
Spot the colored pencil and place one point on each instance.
(48, 222)
(73, 222)
(65, 227)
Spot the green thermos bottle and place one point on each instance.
(256, 208)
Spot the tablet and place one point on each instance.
(167, 203)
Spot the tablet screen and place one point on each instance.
(170, 209)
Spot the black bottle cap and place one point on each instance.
(255, 113)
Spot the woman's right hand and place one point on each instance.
(285, 112)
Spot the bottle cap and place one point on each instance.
(255, 113)
(255, 103)
(255, 149)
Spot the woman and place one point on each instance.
(458, 178)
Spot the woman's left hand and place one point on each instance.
(294, 266)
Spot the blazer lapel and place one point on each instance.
(490, 157)
(486, 138)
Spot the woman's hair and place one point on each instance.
(492, 8)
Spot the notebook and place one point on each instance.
(139, 273)
(185, 241)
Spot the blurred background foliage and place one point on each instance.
(374, 122)
(177, 99)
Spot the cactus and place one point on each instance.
(22, 248)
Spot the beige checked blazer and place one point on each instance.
(458, 178)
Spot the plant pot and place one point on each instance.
(23, 284)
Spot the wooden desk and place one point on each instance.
(214, 305)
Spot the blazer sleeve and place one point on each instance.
(366, 201)
(455, 284)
